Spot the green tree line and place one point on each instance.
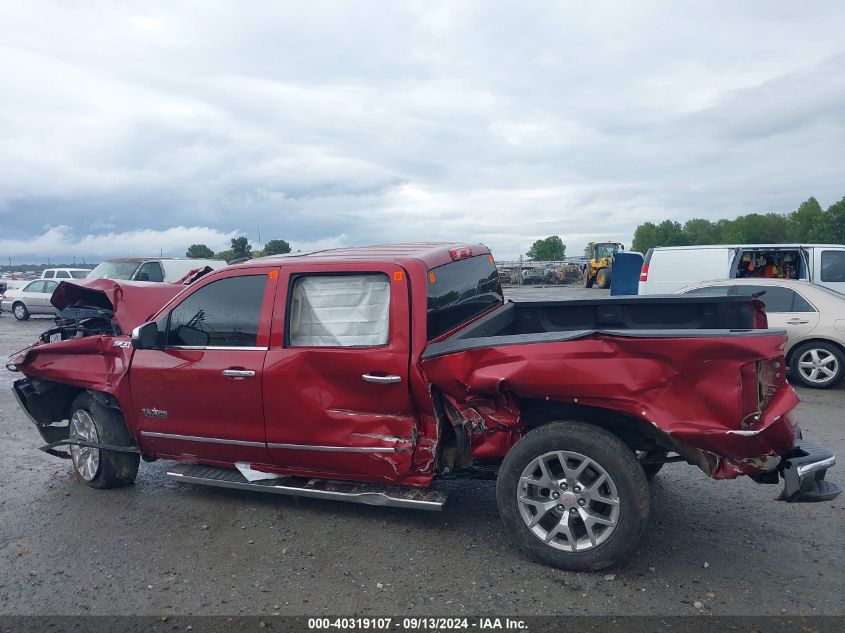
(809, 223)
(240, 248)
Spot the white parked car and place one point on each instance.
(167, 269)
(65, 273)
(670, 268)
(814, 320)
(33, 298)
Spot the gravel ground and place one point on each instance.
(162, 548)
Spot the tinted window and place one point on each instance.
(224, 313)
(151, 271)
(49, 274)
(709, 290)
(79, 274)
(339, 311)
(62, 274)
(777, 299)
(35, 286)
(833, 266)
(460, 291)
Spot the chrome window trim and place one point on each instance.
(194, 438)
(339, 449)
(232, 348)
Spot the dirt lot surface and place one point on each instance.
(162, 548)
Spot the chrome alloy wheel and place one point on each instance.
(568, 501)
(86, 460)
(818, 365)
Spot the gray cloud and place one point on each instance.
(345, 123)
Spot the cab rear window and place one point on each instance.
(460, 291)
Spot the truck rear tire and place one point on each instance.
(603, 278)
(588, 280)
(573, 496)
(92, 422)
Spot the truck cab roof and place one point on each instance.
(432, 254)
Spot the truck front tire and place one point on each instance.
(92, 422)
(573, 496)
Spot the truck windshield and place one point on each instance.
(114, 270)
(460, 291)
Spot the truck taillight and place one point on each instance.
(771, 377)
(761, 381)
(644, 273)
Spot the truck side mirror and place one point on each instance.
(145, 336)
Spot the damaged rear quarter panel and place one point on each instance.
(687, 387)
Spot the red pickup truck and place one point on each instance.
(365, 374)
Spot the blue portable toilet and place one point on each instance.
(626, 273)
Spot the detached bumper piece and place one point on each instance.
(803, 472)
(369, 494)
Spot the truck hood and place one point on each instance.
(131, 302)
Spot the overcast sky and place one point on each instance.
(130, 127)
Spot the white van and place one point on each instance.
(167, 269)
(670, 268)
(65, 273)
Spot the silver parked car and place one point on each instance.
(813, 317)
(33, 298)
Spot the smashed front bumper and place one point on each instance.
(803, 472)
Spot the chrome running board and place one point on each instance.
(369, 494)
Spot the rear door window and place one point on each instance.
(339, 311)
(777, 299)
(49, 274)
(35, 286)
(225, 313)
(62, 274)
(833, 266)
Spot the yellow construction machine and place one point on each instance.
(599, 265)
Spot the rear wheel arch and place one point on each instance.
(635, 432)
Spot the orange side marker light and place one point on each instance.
(398, 276)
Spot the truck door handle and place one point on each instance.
(238, 373)
(381, 380)
(796, 322)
